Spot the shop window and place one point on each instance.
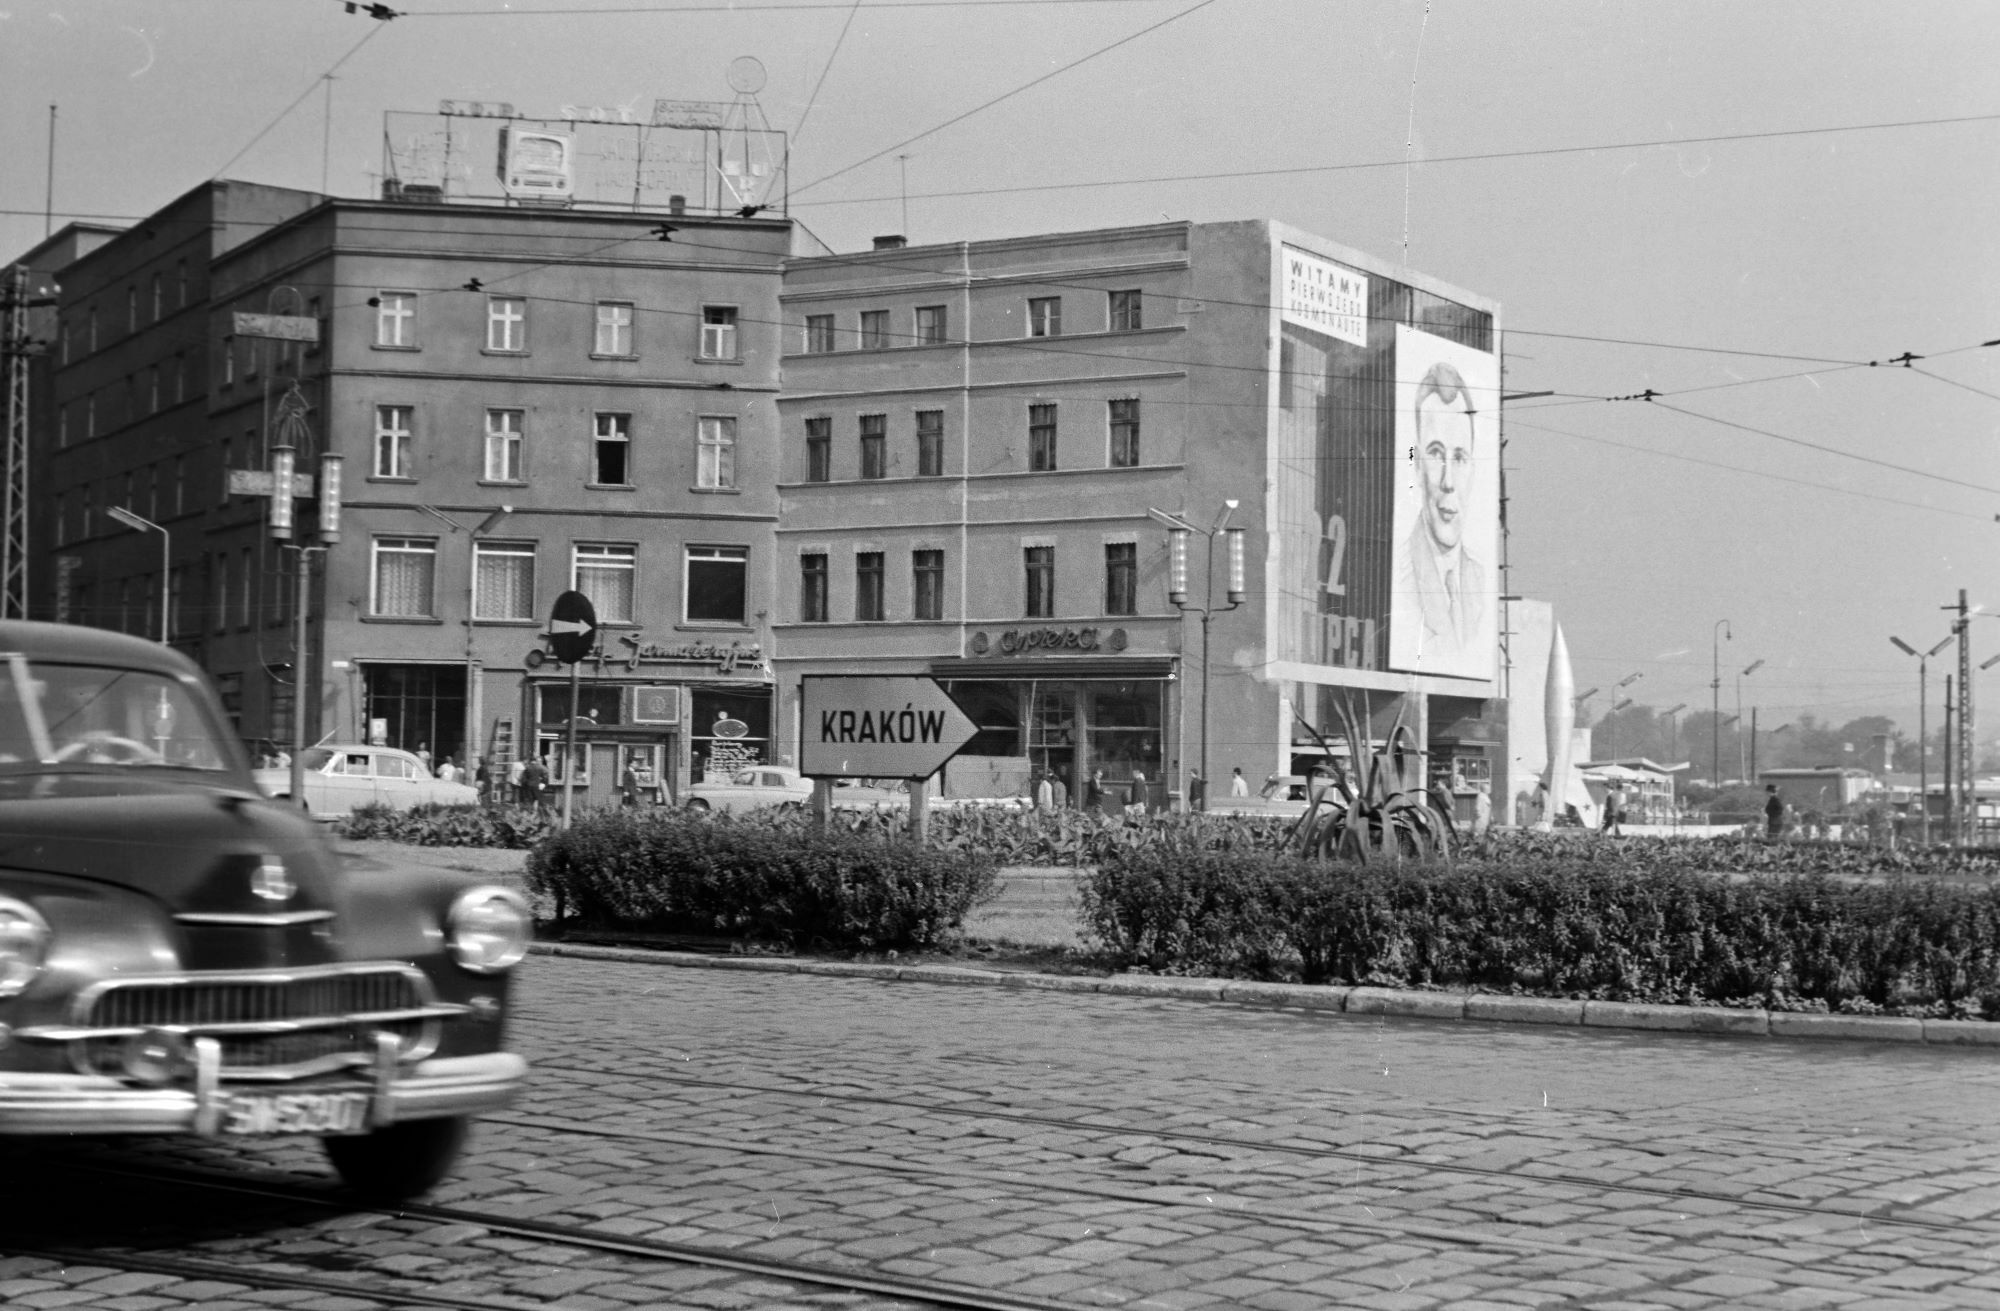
(1042, 437)
(1124, 433)
(819, 334)
(927, 584)
(1121, 578)
(605, 574)
(503, 580)
(819, 450)
(874, 446)
(553, 748)
(930, 443)
(727, 729)
(812, 589)
(1040, 562)
(1045, 316)
(596, 705)
(405, 577)
(867, 586)
(717, 578)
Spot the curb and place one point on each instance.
(1489, 1008)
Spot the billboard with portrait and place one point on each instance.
(1444, 595)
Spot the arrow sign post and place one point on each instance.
(878, 726)
(572, 634)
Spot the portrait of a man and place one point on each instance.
(1443, 594)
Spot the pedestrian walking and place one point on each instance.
(1093, 791)
(1137, 805)
(1058, 791)
(628, 784)
(534, 783)
(424, 754)
(515, 773)
(1614, 810)
(1774, 811)
(1239, 786)
(1045, 795)
(1197, 793)
(482, 779)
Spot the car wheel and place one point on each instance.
(696, 803)
(399, 1161)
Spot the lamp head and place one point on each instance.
(1902, 646)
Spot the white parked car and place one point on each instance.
(339, 778)
(756, 786)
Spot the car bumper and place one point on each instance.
(95, 1104)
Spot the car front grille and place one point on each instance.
(269, 1025)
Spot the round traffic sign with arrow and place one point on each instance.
(572, 628)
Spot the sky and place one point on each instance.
(1748, 211)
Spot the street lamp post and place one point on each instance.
(1720, 631)
(1923, 746)
(1672, 716)
(1618, 703)
(143, 524)
(1178, 532)
(1747, 774)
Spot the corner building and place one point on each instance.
(975, 438)
(527, 400)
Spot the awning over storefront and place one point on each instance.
(1079, 669)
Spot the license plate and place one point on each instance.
(296, 1112)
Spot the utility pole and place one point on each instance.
(16, 349)
(1968, 809)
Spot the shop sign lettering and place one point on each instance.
(1020, 641)
(726, 658)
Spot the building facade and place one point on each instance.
(986, 447)
(526, 400)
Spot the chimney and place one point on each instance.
(896, 242)
(677, 205)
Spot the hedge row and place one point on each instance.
(514, 827)
(1567, 928)
(758, 877)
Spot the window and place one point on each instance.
(819, 450)
(1045, 316)
(1042, 437)
(506, 323)
(226, 466)
(819, 334)
(405, 577)
(716, 452)
(1125, 433)
(612, 453)
(867, 585)
(62, 519)
(317, 313)
(1041, 577)
(718, 332)
(874, 329)
(1121, 578)
(93, 327)
(604, 574)
(930, 443)
(396, 320)
(153, 390)
(503, 446)
(228, 361)
(931, 322)
(716, 580)
(874, 446)
(153, 493)
(927, 584)
(812, 589)
(159, 297)
(62, 426)
(1125, 312)
(180, 483)
(503, 580)
(90, 415)
(614, 328)
(181, 277)
(392, 442)
(246, 589)
(221, 600)
(180, 377)
(131, 309)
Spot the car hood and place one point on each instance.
(191, 848)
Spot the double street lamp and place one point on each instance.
(1179, 530)
(1923, 744)
(143, 524)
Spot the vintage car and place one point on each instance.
(755, 787)
(181, 955)
(339, 778)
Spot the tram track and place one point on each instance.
(1204, 1138)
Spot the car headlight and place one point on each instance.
(488, 929)
(24, 942)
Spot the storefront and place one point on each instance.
(1067, 703)
(669, 711)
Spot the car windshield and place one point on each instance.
(69, 714)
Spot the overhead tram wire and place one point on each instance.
(1831, 450)
(731, 7)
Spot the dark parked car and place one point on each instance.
(179, 955)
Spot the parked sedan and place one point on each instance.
(756, 787)
(340, 778)
(181, 956)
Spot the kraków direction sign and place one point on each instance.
(878, 726)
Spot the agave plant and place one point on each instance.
(1378, 804)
